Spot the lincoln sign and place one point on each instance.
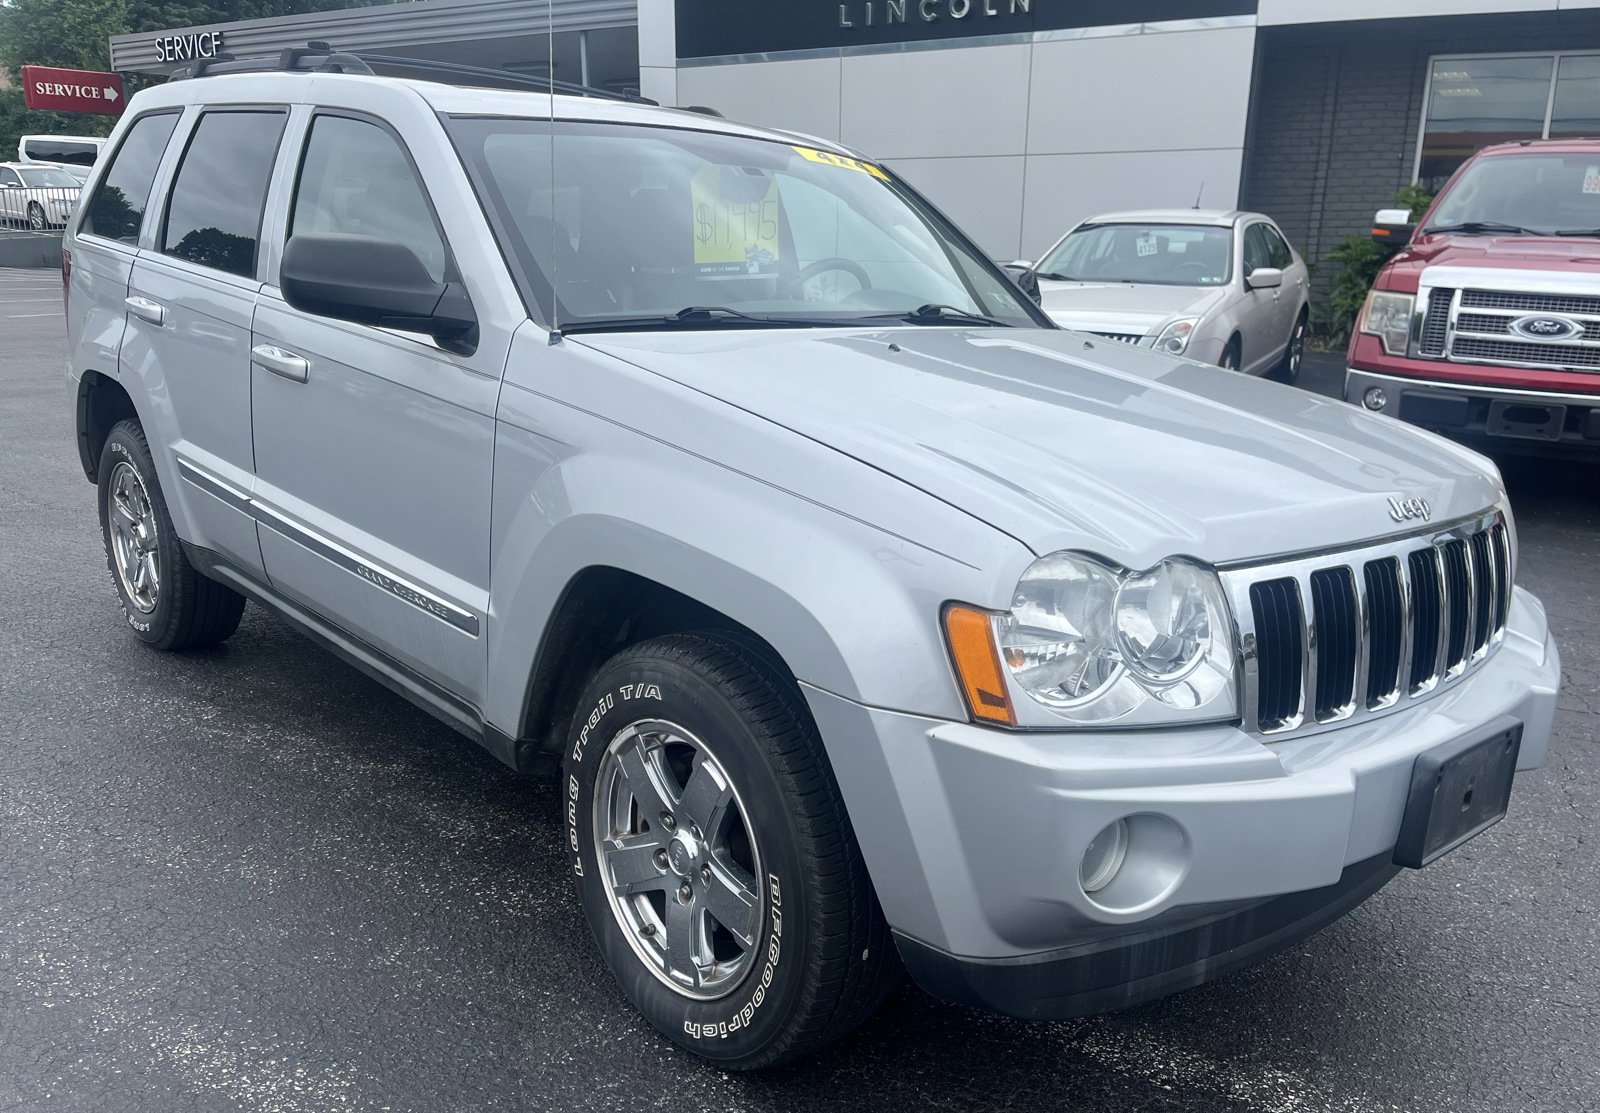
(58, 90)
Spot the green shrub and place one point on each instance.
(1359, 258)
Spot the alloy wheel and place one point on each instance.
(678, 859)
(135, 552)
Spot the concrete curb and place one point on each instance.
(30, 249)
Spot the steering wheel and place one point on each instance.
(1200, 269)
(825, 266)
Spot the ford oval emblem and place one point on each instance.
(1546, 328)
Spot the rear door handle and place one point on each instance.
(147, 310)
(280, 362)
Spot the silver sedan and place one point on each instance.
(1220, 287)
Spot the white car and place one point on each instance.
(42, 197)
(1219, 287)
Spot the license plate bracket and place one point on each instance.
(1458, 791)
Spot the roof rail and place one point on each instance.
(320, 57)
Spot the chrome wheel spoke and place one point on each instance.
(640, 768)
(731, 898)
(683, 939)
(706, 797)
(631, 863)
(150, 572)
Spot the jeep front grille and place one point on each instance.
(1328, 639)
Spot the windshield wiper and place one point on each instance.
(936, 314)
(693, 317)
(1579, 233)
(1053, 277)
(1479, 228)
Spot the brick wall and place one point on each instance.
(1337, 109)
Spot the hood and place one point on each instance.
(1122, 307)
(1067, 443)
(1540, 253)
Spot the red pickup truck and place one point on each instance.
(1486, 325)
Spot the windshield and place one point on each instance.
(1525, 193)
(1145, 254)
(47, 178)
(657, 227)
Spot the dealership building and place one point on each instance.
(1020, 117)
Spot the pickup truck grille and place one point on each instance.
(1476, 326)
(1346, 636)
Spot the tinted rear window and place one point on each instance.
(80, 153)
(124, 192)
(214, 217)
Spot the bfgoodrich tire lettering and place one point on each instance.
(165, 602)
(817, 958)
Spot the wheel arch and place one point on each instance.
(601, 611)
(102, 402)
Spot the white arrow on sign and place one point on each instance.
(111, 92)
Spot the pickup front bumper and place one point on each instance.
(974, 837)
(1530, 419)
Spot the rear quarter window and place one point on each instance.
(118, 206)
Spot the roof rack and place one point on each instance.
(321, 57)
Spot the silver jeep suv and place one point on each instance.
(872, 623)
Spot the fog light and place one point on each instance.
(1375, 398)
(1103, 857)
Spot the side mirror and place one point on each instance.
(1264, 278)
(1027, 281)
(1393, 227)
(379, 282)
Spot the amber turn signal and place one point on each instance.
(977, 660)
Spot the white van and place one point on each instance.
(73, 153)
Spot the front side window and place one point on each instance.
(1523, 193)
(120, 201)
(624, 226)
(214, 217)
(355, 180)
(1143, 254)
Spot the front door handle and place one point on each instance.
(280, 362)
(147, 310)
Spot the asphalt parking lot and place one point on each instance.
(251, 879)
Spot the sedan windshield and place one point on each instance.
(46, 177)
(1143, 254)
(615, 226)
(1523, 194)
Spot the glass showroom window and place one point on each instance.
(1477, 102)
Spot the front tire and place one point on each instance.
(1231, 355)
(166, 603)
(1294, 356)
(713, 856)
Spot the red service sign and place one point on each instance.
(59, 90)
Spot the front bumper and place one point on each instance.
(974, 836)
(1536, 419)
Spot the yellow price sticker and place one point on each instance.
(828, 159)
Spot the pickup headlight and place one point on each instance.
(1174, 339)
(1099, 646)
(1388, 316)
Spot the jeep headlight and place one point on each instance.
(1174, 339)
(1388, 317)
(1096, 645)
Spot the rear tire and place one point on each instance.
(166, 603)
(702, 815)
(36, 219)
